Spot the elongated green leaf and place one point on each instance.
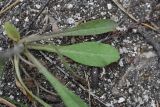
(87, 53)
(92, 27)
(69, 98)
(11, 31)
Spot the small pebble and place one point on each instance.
(121, 100)
(58, 6)
(69, 6)
(11, 97)
(109, 6)
(134, 30)
(91, 3)
(130, 90)
(70, 21)
(18, 100)
(146, 97)
(1, 92)
(103, 97)
(103, 13)
(1, 48)
(121, 63)
(153, 104)
(17, 20)
(26, 19)
(124, 50)
(38, 6)
(9, 83)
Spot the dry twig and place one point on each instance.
(5, 102)
(132, 17)
(9, 7)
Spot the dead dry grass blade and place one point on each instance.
(9, 7)
(7, 103)
(16, 62)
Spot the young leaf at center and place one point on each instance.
(11, 31)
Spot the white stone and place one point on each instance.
(121, 63)
(130, 90)
(121, 28)
(120, 50)
(69, 6)
(91, 3)
(135, 48)
(126, 41)
(103, 97)
(26, 19)
(58, 6)
(109, 6)
(158, 81)
(153, 103)
(146, 97)
(103, 13)
(1, 92)
(1, 48)
(9, 83)
(124, 50)
(17, 20)
(121, 100)
(11, 97)
(38, 6)
(70, 21)
(134, 30)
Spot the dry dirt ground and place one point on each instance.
(134, 81)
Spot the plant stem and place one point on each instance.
(16, 62)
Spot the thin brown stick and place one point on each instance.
(5, 102)
(9, 7)
(36, 83)
(131, 16)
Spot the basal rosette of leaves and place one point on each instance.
(86, 53)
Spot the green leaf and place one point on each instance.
(92, 27)
(69, 98)
(11, 31)
(87, 53)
